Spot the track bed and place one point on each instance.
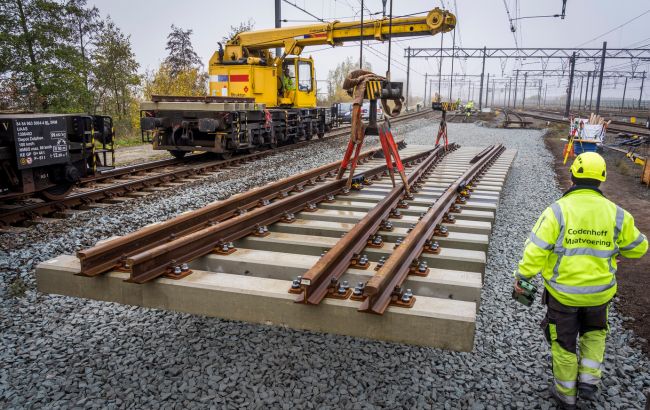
(252, 283)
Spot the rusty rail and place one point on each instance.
(163, 259)
(336, 261)
(380, 288)
(16, 215)
(108, 255)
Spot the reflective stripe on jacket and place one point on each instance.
(574, 245)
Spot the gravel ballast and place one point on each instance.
(66, 352)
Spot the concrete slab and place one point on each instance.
(445, 283)
(461, 225)
(433, 322)
(302, 245)
(462, 240)
(415, 210)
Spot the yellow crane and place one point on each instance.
(259, 100)
(245, 66)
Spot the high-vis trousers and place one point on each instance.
(562, 326)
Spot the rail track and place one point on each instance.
(414, 258)
(517, 122)
(615, 126)
(126, 183)
(640, 115)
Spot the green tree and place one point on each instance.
(115, 75)
(86, 25)
(242, 27)
(335, 78)
(182, 56)
(181, 73)
(39, 58)
(185, 83)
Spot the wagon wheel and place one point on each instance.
(56, 192)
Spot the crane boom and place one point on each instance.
(294, 39)
(245, 66)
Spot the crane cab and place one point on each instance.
(297, 83)
(292, 84)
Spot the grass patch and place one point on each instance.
(125, 140)
(129, 140)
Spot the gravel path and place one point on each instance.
(64, 352)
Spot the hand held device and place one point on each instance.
(528, 296)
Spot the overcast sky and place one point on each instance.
(480, 23)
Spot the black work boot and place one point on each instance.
(560, 400)
(587, 391)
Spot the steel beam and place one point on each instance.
(600, 79)
(567, 109)
(642, 54)
(480, 96)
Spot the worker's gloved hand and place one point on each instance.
(518, 289)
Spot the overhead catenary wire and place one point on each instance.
(304, 10)
(615, 28)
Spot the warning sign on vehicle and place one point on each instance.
(40, 141)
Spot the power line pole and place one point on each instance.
(442, 39)
(487, 89)
(641, 90)
(539, 93)
(493, 92)
(591, 96)
(278, 23)
(523, 100)
(480, 95)
(509, 92)
(600, 80)
(545, 90)
(426, 76)
(361, 40)
(582, 79)
(514, 100)
(453, 47)
(408, 74)
(587, 88)
(390, 40)
(624, 90)
(567, 109)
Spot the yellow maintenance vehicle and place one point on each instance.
(257, 99)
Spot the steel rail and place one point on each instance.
(520, 121)
(584, 114)
(14, 216)
(157, 261)
(618, 128)
(391, 275)
(108, 255)
(331, 266)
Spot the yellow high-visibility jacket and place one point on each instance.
(574, 245)
(287, 83)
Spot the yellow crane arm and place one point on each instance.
(294, 39)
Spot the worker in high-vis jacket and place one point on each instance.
(287, 80)
(575, 245)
